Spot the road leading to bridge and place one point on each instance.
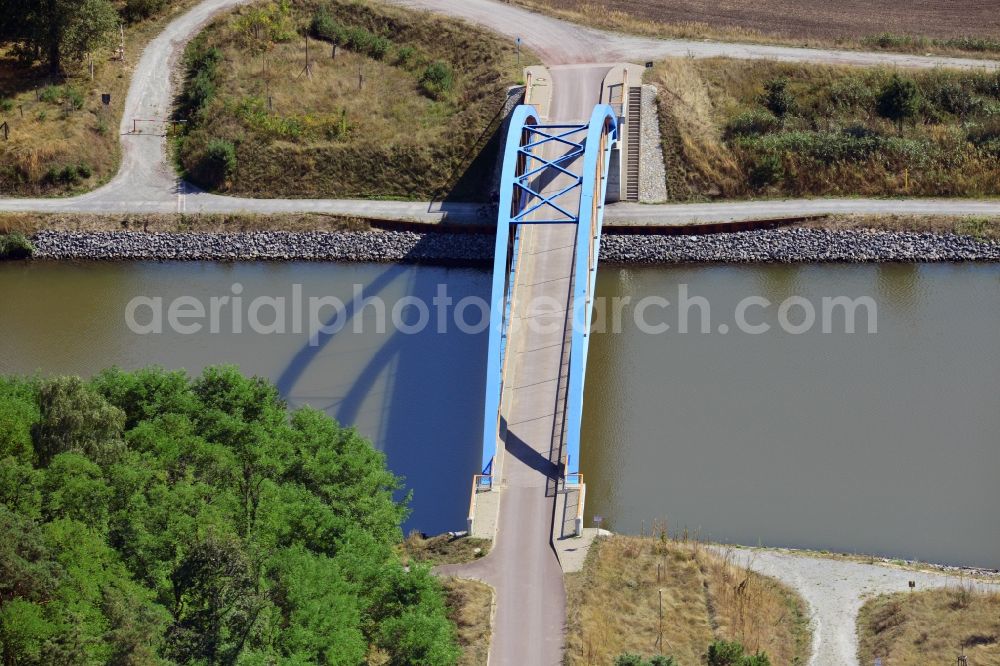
(146, 182)
(523, 567)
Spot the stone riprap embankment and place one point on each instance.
(797, 246)
(370, 246)
(775, 246)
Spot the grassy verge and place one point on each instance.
(614, 604)
(470, 607)
(62, 138)
(671, 20)
(406, 108)
(930, 627)
(29, 223)
(740, 129)
(984, 228)
(443, 549)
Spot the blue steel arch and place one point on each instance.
(523, 162)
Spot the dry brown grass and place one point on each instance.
(931, 627)
(443, 549)
(470, 607)
(931, 26)
(980, 227)
(28, 223)
(399, 143)
(614, 604)
(50, 135)
(832, 142)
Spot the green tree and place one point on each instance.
(74, 417)
(899, 100)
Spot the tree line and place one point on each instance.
(61, 33)
(151, 518)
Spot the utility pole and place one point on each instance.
(307, 70)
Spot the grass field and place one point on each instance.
(738, 129)
(62, 139)
(931, 627)
(963, 27)
(29, 223)
(470, 605)
(404, 110)
(614, 605)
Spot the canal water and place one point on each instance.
(885, 442)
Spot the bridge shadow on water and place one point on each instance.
(419, 395)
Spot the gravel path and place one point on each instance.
(835, 591)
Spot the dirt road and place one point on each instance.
(835, 591)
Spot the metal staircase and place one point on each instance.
(633, 139)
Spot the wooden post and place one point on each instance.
(361, 76)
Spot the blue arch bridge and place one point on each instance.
(553, 189)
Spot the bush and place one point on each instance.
(217, 163)
(199, 89)
(50, 94)
(731, 653)
(74, 98)
(6, 104)
(405, 56)
(136, 10)
(15, 246)
(324, 26)
(724, 653)
(437, 80)
(777, 99)
(752, 123)
(766, 170)
(84, 170)
(899, 99)
(852, 92)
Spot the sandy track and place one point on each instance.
(835, 591)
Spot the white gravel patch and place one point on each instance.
(652, 170)
(836, 589)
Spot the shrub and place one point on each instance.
(136, 10)
(731, 653)
(50, 94)
(899, 100)
(724, 653)
(766, 170)
(776, 98)
(217, 163)
(324, 26)
(752, 123)
(73, 97)
(851, 91)
(6, 104)
(202, 68)
(405, 56)
(437, 80)
(15, 246)
(84, 170)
